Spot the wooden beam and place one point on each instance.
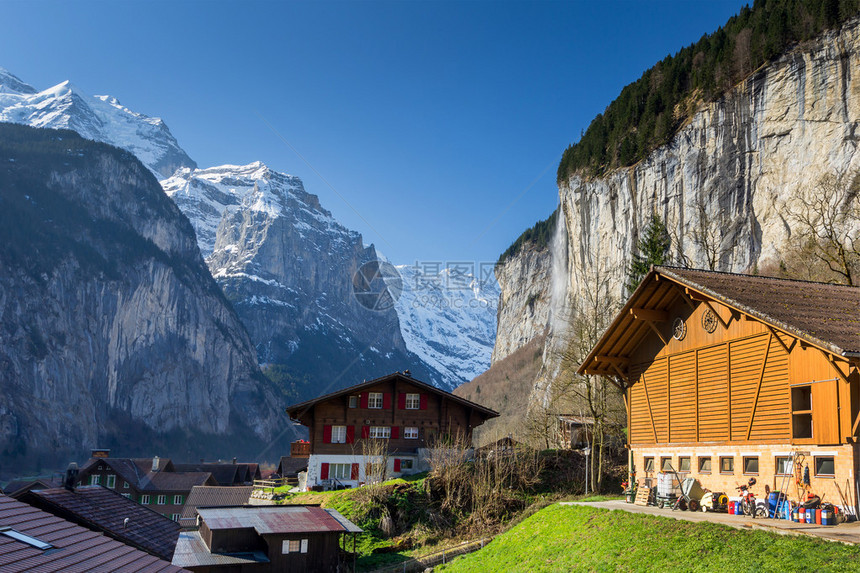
(856, 423)
(650, 411)
(758, 388)
(657, 331)
(649, 314)
(836, 366)
(698, 297)
(684, 296)
(613, 360)
(621, 373)
(720, 318)
(781, 343)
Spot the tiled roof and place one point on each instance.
(290, 466)
(224, 474)
(823, 313)
(74, 548)
(138, 472)
(268, 519)
(96, 507)
(20, 485)
(211, 496)
(191, 551)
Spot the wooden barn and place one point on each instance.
(729, 376)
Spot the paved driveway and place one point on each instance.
(844, 532)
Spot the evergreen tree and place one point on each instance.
(653, 249)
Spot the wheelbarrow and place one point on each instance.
(691, 495)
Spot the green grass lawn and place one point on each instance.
(576, 538)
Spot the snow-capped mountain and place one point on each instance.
(101, 118)
(448, 318)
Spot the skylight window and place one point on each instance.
(17, 535)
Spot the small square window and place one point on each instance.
(374, 400)
(684, 464)
(727, 465)
(666, 464)
(649, 464)
(174, 516)
(410, 433)
(177, 500)
(338, 434)
(125, 485)
(95, 479)
(784, 467)
(353, 401)
(144, 500)
(751, 465)
(705, 465)
(406, 464)
(413, 401)
(111, 481)
(162, 499)
(825, 466)
(380, 432)
(291, 546)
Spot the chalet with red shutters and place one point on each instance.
(393, 419)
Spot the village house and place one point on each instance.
(153, 482)
(728, 377)
(390, 420)
(262, 539)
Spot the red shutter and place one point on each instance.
(401, 400)
(354, 472)
(395, 432)
(365, 432)
(396, 465)
(386, 401)
(326, 434)
(362, 398)
(423, 401)
(324, 471)
(350, 434)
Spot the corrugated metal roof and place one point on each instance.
(275, 519)
(191, 551)
(75, 548)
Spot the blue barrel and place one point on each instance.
(810, 515)
(774, 498)
(827, 517)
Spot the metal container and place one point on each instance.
(827, 517)
(666, 486)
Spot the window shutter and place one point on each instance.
(386, 401)
(396, 465)
(423, 401)
(327, 434)
(401, 400)
(350, 434)
(365, 432)
(304, 546)
(362, 398)
(354, 472)
(323, 470)
(395, 432)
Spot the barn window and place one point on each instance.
(705, 465)
(666, 464)
(801, 412)
(727, 465)
(783, 466)
(684, 464)
(751, 465)
(825, 466)
(649, 464)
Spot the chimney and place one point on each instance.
(155, 462)
(125, 523)
(71, 477)
(234, 461)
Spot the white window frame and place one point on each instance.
(353, 401)
(374, 400)
(111, 481)
(413, 401)
(177, 500)
(381, 432)
(126, 495)
(95, 479)
(410, 433)
(340, 471)
(338, 434)
(144, 499)
(174, 516)
(125, 485)
(162, 500)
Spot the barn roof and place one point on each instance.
(822, 314)
(209, 496)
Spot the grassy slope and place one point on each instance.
(575, 538)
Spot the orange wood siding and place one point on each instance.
(772, 418)
(682, 398)
(746, 363)
(713, 393)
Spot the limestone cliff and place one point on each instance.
(112, 330)
(732, 171)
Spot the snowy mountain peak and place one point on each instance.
(101, 118)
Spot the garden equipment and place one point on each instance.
(714, 501)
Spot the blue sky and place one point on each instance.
(433, 128)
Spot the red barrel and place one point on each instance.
(801, 515)
(818, 516)
(731, 508)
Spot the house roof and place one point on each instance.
(224, 474)
(19, 486)
(297, 409)
(191, 551)
(210, 496)
(73, 548)
(102, 509)
(277, 519)
(289, 466)
(822, 314)
(138, 472)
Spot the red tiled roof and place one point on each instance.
(99, 508)
(75, 549)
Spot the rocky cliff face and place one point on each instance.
(732, 172)
(111, 328)
(289, 268)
